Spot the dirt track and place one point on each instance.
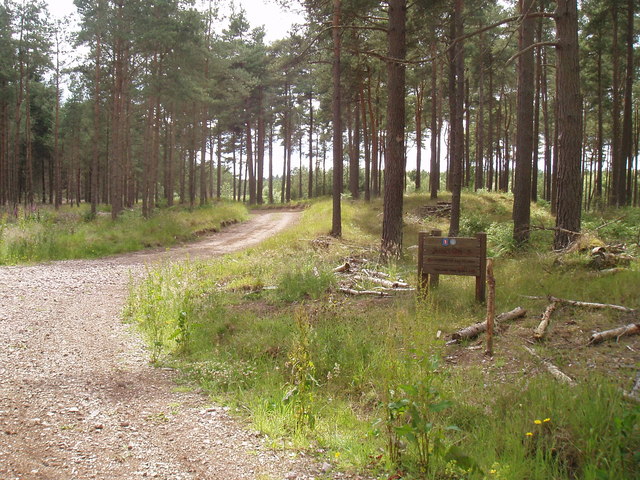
(78, 397)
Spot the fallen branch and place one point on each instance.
(540, 330)
(575, 303)
(607, 271)
(634, 394)
(373, 273)
(381, 281)
(476, 329)
(617, 333)
(351, 291)
(553, 370)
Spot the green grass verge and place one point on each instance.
(370, 385)
(71, 232)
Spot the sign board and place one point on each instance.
(438, 255)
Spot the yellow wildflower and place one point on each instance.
(529, 434)
(537, 422)
(493, 471)
(546, 420)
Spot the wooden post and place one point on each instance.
(491, 306)
(481, 280)
(435, 278)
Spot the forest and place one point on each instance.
(178, 101)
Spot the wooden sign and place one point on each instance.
(438, 255)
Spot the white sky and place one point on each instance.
(277, 21)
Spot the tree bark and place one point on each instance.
(354, 152)
(616, 167)
(260, 147)
(456, 145)
(395, 155)
(569, 123)
(336, 221)
(418, 120)
(626, 143)
(434, 170)
(310, 182)
(524, 134)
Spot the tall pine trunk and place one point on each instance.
(395, 154)
(569, 122)
(336, 107)
(525, 127)
(456, 144)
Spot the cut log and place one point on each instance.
(540, 330)
(342, 268)
(617, 333)
(474, 330)
(553, 370)
(575, 303)
(355, 293)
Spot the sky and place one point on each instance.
(276, 20)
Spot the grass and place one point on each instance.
(71, 232)
(364, 383)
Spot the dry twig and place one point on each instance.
(552, 369)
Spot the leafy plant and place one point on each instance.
(413, 418)
(302, 383)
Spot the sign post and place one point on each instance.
(438, 255)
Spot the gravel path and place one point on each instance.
(78, 398)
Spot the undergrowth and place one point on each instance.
(370, 385)
(45, 234)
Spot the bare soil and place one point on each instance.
(79, 399)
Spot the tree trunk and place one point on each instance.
(626, 144)
(260, 147)
(354, 164)
(479, 174)
(546, 132)
(569, 123)
(616, 161)
(271, 163)
(204, 140)
(395, 155)
(219, 169)
(249, 162)
(434, 167)
(418, 118)
(373, 126)
(524, 135)
(492, 127)
(456, 144)
(310, 183)
(367, 146)
(466, 174)
(336, 221)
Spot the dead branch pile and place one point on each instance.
(355, 279)
(440, 210)
(610, 256)
(597, 337)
